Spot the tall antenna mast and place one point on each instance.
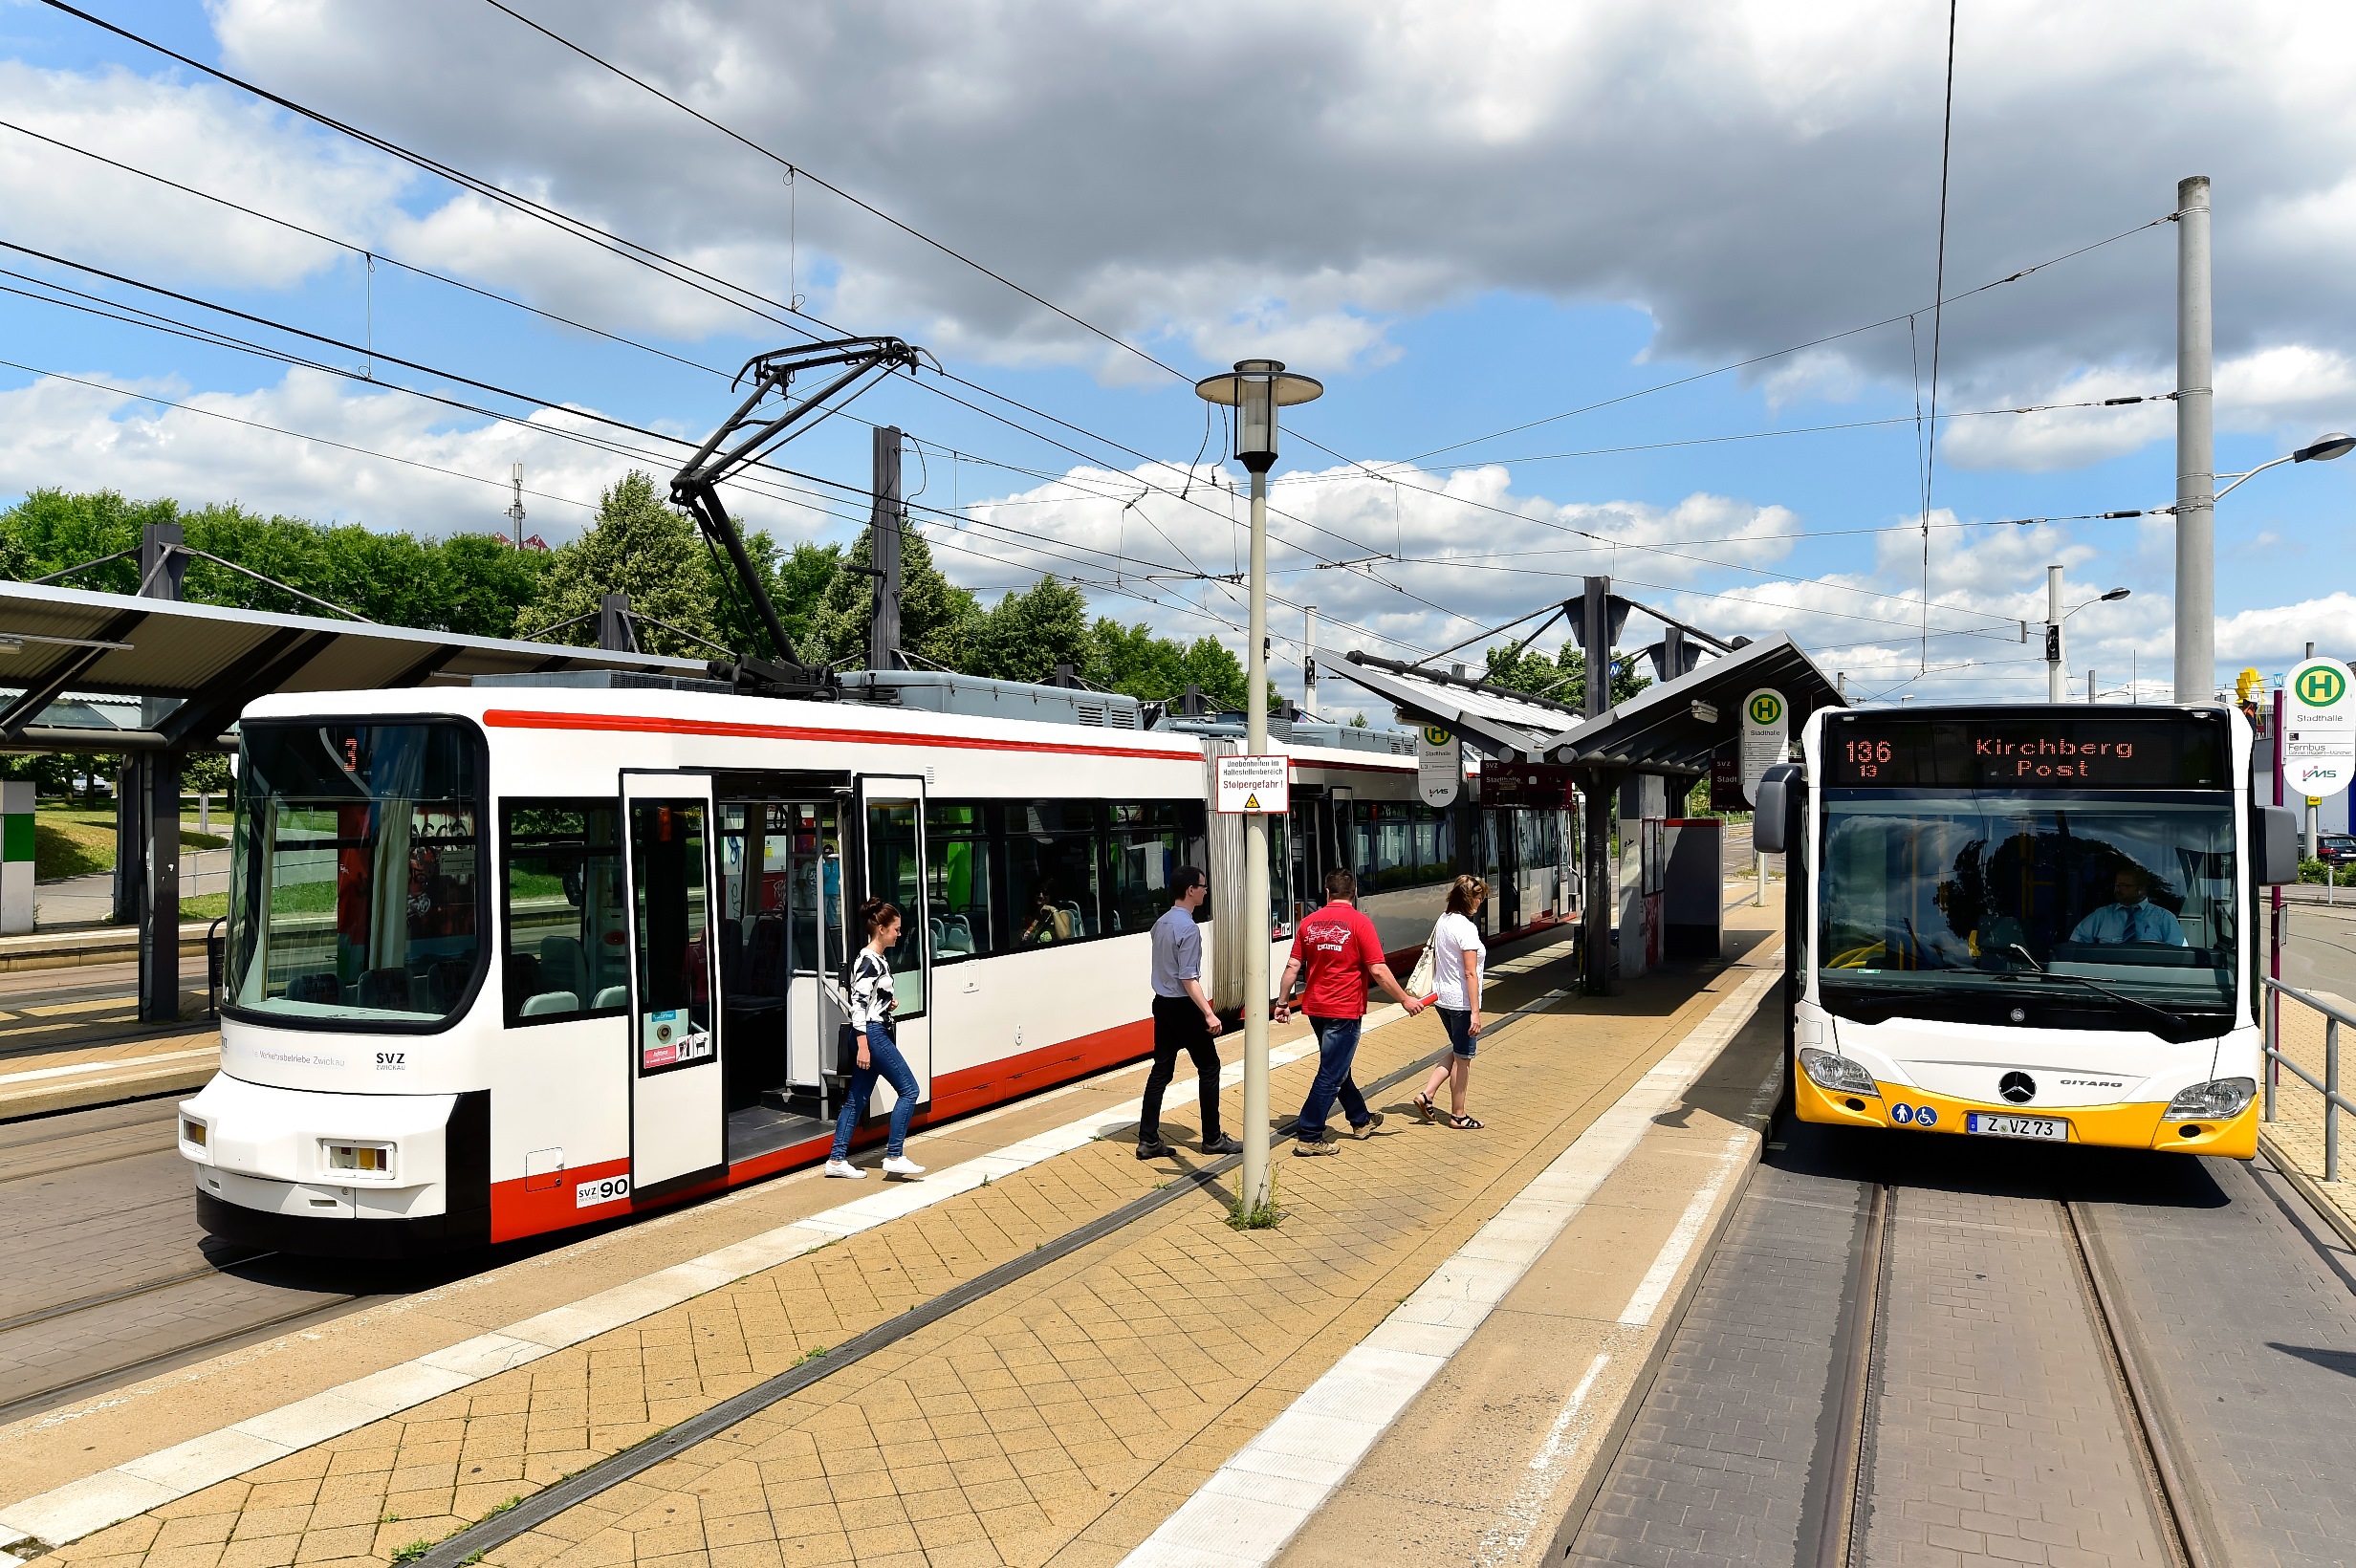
(516, 508)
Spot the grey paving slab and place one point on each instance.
(2247, 1320)
(1998, 1434)
(1715, 1469)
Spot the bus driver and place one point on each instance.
(2132, 917)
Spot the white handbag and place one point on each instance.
(1424, 981)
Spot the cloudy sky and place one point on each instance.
(1585, 284)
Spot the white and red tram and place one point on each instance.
(519, 956)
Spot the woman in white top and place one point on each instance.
(1457, 958)
(872, 1004)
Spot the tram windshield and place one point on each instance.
(354, 895)
(1958, 905)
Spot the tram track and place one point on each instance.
(1860, 1362)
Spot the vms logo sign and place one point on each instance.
(1766, 707)
(2321, 686)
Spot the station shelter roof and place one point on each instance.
(1660, 730)
(196, 667)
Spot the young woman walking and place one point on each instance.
(1457, 955)
(872, 1014)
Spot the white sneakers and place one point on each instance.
(897, 1165)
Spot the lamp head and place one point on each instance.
(2116, 594)
(1256, 389)
(2323, 449)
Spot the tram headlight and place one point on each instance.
(2219, 1100)
(361, 1159)
(1838, 1074)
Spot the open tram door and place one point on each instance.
(678, 1120)
(890, 813)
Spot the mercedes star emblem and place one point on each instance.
(2018, 1087)
(2020, 1014)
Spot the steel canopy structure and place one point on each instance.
(1668, 729)
(191, 669)
(199, 665)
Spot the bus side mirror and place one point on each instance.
(2277, 834)
(1772, 814)
(1767, 821)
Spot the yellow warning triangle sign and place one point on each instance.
(1251, 802)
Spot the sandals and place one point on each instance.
(1426, 1109)
(1462, 1123)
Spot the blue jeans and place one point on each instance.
(883, 1062)
(1337, 1047)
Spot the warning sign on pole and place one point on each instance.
(1253, 786)
(2319, 729)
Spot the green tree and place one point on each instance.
(936, 617)
(640, 547)
(1561, 679)
(1025, 636)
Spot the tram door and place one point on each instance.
(678, 1120)
(892, 817)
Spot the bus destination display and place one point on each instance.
(2026, 753)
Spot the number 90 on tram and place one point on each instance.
(2031, 923)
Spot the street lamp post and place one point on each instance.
(1256, 389)
(2055, 616)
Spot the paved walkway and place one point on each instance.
(2293, 1140)
(1062, 1418)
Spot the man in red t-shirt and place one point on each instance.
(1339, 951)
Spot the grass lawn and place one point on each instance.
(77, 841)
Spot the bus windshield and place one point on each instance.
(354, 892)
(1968, 894)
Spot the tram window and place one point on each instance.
(1053, 877)
(1148, 842)
(895, 874)
(566, 936)
(957, 879)
(355, 899)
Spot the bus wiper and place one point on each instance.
(2172, 1022)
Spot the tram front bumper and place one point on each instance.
(2129, 1126)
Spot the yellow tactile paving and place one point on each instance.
(1059, 1420)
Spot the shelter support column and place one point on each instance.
(1598, 801)
(157, 800)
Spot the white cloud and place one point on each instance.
(200, 136)
(228, 447)
(2274, 638)
(1320, 170)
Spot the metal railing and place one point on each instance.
(2277, 1059)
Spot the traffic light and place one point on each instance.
(2053, 642)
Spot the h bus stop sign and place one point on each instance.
(1253, 786)
(2319, 729)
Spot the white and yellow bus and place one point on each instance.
(2028, 921)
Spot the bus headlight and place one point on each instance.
(2219, 1100)
(1838, 1074)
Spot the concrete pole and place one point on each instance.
(2053, 633)
(1308, 659)
(1251, 921)
(2195, 452)
(2090, 688)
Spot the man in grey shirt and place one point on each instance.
(1183, 1020)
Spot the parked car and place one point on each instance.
(2338, 849)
